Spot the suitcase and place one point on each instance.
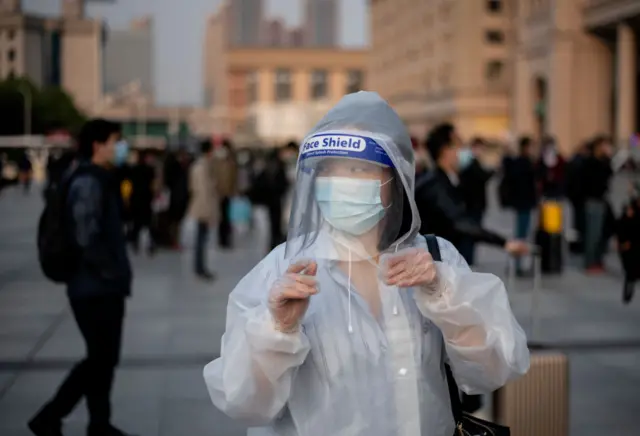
(536, 404)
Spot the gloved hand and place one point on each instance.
(289, 295)
(409, 267)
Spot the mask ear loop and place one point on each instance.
(397, 297)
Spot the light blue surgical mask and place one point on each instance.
(350, 205)
(465, 158)
(121, 153)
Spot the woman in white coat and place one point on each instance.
(345, 329)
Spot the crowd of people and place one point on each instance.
(365, 317)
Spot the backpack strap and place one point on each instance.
(454, 391)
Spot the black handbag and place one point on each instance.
(466, 424)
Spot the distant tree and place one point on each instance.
(51, 108)
(56, 110)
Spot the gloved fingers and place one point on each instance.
(300, 278)
(310, 267)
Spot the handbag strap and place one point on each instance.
(454, 391)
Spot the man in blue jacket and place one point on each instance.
(100, 283)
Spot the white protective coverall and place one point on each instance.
(344, 372)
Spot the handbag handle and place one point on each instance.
(454, 391)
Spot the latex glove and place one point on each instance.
(410, 267)
(289, 295)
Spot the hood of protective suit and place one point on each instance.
(361, 127)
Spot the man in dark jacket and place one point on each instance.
(442, 208)
(101, 283)
(441, 203)
(473, 185)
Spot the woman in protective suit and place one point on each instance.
(344, 329)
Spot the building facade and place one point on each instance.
(273, 93)
(321, 23)
(279, 95)
(64, 51)
(576, 69)
(245, 22)
(443, 60)
(128, 57)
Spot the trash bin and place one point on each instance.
(549, 236)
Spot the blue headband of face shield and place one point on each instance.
(345, 145)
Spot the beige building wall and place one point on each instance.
(433, 62)
(580, 50)
(252, 102)
(81, 61)
(24, 50)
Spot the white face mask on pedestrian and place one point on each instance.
(353, 206)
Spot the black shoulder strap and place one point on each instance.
(434, 248)
(454, 391)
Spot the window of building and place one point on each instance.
(355, 79)
(494, 70)
(319, 84)
(11, 55)
(11, 34)
(494, 6)
(252, 86)
(283, 85)
(494, 36)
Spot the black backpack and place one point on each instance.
(56, 252)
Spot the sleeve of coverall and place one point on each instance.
(485, 345)
(251, 380)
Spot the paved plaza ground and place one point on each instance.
(174, 323)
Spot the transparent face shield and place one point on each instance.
(348, 200)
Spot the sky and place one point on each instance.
(179, 32)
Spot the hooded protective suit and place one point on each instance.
(350, 369)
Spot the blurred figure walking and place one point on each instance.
(203, 205)
(520, 177)
(575, 194)
(599, 224)
(98, 279)
(143, 179)
(176, 179)
(473, 185)
(225, 169)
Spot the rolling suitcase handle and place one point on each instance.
(534, 251)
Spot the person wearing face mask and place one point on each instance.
(345, 328)
(441, 203)
(99, 281)
(473, 184)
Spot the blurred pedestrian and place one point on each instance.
(225, 168)
(99, 282)
(598, 213)
(203, 205)
(520, 176)
(551, 170)
(176, 179)
(576, 195)
(143, 180)
(25, 171)
(628, 233)
(473, 185)
(441, 202)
